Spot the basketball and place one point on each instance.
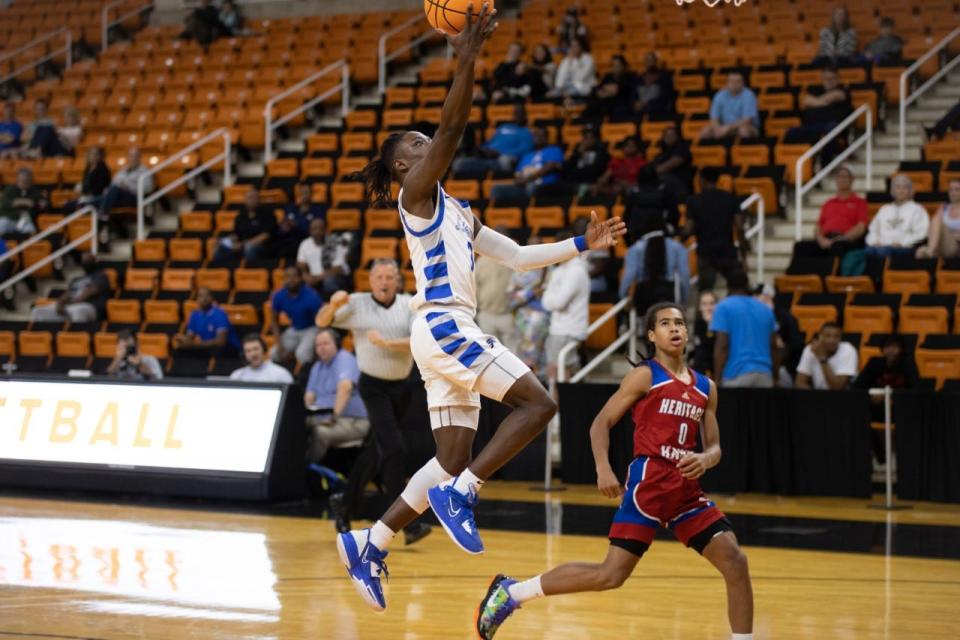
(449, 16)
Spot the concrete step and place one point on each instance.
(893, 126)
(787, 231)
(935, 101)
(774, 245)
(773, 265)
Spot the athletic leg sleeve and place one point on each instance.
(427, 477)
(504, 250)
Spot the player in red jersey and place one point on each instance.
(669, 403)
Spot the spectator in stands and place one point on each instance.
(823, 108)
(900, 226)
(537, 168)
(842, 223)
(37, 130)
(827, 362)
(494, 315)
(703, 337)
(715, 217)
(20, 205)
(323, 260)
(300, 304)
(602, 281)
(838, 40)
(887, 47)
(949, 122)
(129, 363)
(516, 81)
(531, 320)
(123, 190)
(654, 91)
(745, 350)
(570, 30)
(566, 295)
(542, 63)
(655, 269)
(96, 178)
(254, 229)
(6, 270)
(510, 142)
(209, 331)
(613, 97)
(85, 299)
(232, 19)
(674, 164)
(944, 240)
(259, 368)
(70, 132)
(294, 227)
(203, 25)
(11, 131)
(650, 199)
(576, 74)
(622, 171)
(587, 162)
(790, 339)
(733, 112)
(337, 413)
(49, 140)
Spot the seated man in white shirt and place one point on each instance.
(323, 260)
(827, 363)
(259, 367)
(123, 190)
(900, 226)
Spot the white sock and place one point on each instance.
(427, 477)
(381, 535)
(526, 590)
(741, 636)
(467, 481)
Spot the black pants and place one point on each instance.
(950, 121)
(708, 265)
(383, 451)
(812, 249)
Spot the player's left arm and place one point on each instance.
(502, 249)
(694, 465)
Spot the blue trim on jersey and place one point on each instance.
(581, 243)
(472, 353)
(703, 383)
(437, 221)
(464, 203)
(690, 514)
(438, 292)
(451, 348)
(444, 329)
(435, 271)
(436, 251)
(658, 374)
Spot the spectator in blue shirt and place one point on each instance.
(733, 111)
(337, 414)
(10, 130)
(745, 351)
(537, 168)
(300, 303)
(510, 141)
(655, 256)
(209, 332)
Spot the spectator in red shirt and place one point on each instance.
(842, 223)
(621, 173)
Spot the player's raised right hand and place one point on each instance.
(608, 484)
(478, 28)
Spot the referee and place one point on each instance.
(380, 322)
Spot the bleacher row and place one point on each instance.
(23, 22)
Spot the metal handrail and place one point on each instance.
(106, 23)
(905, 100)
(631, 335)
(887, 394)
(866, 138)
(758, 229)
(20, 248)
(344, 88)
(67, 48)
(383, 57)
(143, 201)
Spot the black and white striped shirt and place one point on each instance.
(363, 313)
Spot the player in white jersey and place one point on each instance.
(457, 361)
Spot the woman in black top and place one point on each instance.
(674, 164)
(96, 177)
(703, 338)
(613, 96)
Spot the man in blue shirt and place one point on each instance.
(733, 111)
(209, 332)
(10, 130)
(537, 168)
(301, 305)
(510, 141)
(338, 415)
(746, 349)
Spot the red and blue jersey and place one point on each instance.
(666, 421)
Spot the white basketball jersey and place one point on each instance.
(442, 254)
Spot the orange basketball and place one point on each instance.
(450, 15)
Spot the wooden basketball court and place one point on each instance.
(99, 571)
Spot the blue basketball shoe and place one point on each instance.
(365, 564)
(455, 512)
(495, 607)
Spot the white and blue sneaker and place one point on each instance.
(365, 564)
(455, 512)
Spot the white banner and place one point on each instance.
(138, 425)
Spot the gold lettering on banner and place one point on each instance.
(28, 404)
(170, 441)
(65, 414)
(140, 440)
(101, 433)
(712, 3)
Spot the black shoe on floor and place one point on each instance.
(340, 520)
(416, 532)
